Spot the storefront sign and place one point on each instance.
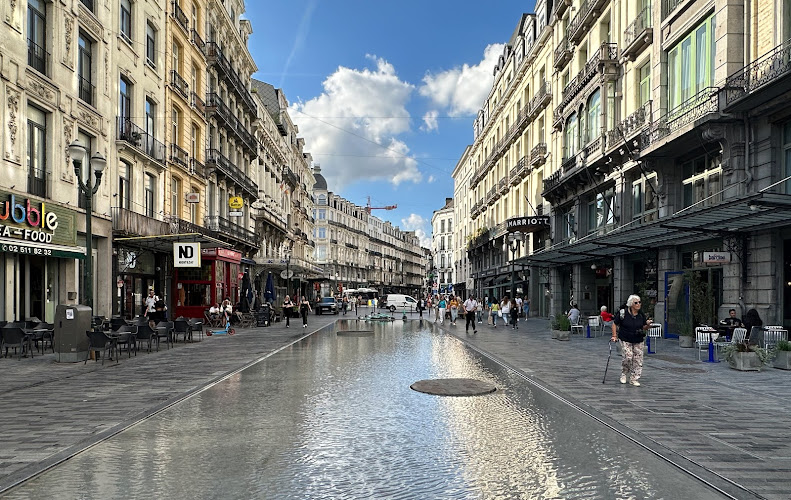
(28, 220)
(235, 213)
(527, 224)
(186, 254)
(716, 257)
(224, 253)
(193, 197)
(235, 202)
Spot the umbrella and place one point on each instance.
(269, 291)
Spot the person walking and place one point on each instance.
(505, 307)
(288, 309)
(436, 308)
(442, 305)
(345, 304)
(526, 307)
(454, 310)
(518, 307)
(494, 311)
(514, 314)
(421, 305)
(304, 309)
(471, 308)
(631, 326)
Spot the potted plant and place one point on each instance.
(560, 327)
(783, 355)
(686, 334)
(746, 357)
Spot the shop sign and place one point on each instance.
(716, 257)
(235, 202)
(224, 253)
(32, 221)
(186, 254)
(527, 224)
(193, 197)
(235, 213)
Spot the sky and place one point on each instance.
(384, 93)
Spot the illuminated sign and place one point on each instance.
(29, 220)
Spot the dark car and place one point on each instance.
(328, 304)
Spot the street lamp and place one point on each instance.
(335, 290)
(79, 153)
(287, 253)
(514, 240)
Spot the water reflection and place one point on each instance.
(334, 417)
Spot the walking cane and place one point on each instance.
(609, 344)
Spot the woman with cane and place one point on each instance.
(632, 325)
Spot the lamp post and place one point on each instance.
(79, 153)
(514, 240)
(287, 252)
(335, 289)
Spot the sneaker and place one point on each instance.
(475, 331)
(635, 383)
(623, 378)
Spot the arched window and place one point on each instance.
(594, 122)
(570, 139)
(322, 199)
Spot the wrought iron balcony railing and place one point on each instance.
(197, 168)
(538, 154)
(696, 107)
(552, 181)
(227, 228)
(180, 16)
(198, 41)
(225, 167)
(562, 52)
(179, 155)
(216, 58)
(669, 6)
(37, 57)
(86, 90)
(630, 126)
(198, 104)
(607, 53)
(141, 140)
(542, 97)
(764, 70)
(215, 106)
(180, 84)
(639, 34)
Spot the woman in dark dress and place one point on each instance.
(288, 308)
(751, 319)
(304, 309)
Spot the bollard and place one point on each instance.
(588, 335)
(648, 345)
(711, 352)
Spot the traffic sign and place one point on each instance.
(235, 202)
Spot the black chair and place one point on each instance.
(196, 325)
(116, 323)
(164, 329)
(145, 334)
(99, 341)
(182, 327)
(127, 336)
(16, 338)
(44, 332)
(31, 322)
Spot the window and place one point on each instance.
(126, 20)
(223, 207)
(151, 189)
(322, 232)
(174, 137)
(124, 183)
(151, 46)
(450, 225)
(194, 141)
(175, 196)
(442, 258)
(88, 142)
(322, 214)
(84, 66)
(644, 199)
(690, 64)
(321, 251)
(36, 35)
(567, 220)
(211, 199)
(570, 137)
(88, 4)
(787, 155)
(594, 112)
(601, 211)
(702, 180)
(36, 151)
(322, 199)
(124, 100)
(194, 208)
(442, 226)
(645, 84)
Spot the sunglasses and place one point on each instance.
(636, 301)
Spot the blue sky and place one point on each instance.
(384, 93)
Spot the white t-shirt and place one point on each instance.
(151, 303)
(506, 307)
(470, 305)
(519, 303)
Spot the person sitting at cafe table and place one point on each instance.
(732, 320)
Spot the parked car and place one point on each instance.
(328, 304)
(399, 301)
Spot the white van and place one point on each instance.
(400, 302)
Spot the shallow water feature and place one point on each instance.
(334, 417)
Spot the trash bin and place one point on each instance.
(71, 323)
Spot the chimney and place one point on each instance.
(448, 200)
(316, 168)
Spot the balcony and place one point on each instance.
(227, 228)
(669, 6)
(180, 84)
(604, 61)
(180, 17)
(770, 74)
(503, 186)
(197, 168)
(198, 104)
(540, 100)
(560, 7)
(223, 166)
(538, 155)
(37, 57)
(179, 155)
(140, 140)
(216, 107)
(198, 41)
(639, 34)
(519, 171)
(215, 57)
(586, 16)
(630, 127)
(697, 107)
(569, 163)
(562, 53)
(127, 222)
(492, 196)
(290, 177)
(552, 181)
(86, 90)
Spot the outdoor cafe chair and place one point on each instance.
(773, 335)
(117, 323)
(144, 334)
(164, 329)
(655, 333)
(181, 327)
(44, 332)
(126, 336)
(196, 325)
(702, 338)
(595, 325)
(98, 341)
(577, 326)
(16, 338)
(213, 322)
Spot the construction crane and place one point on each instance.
(368, 207)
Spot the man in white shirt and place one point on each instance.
(470, 305)
(150, 302)
(518, 307)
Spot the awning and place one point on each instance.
(8, 245)
(742, 215)
(164, 242)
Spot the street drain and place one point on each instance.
(356, 333)
(453, 387)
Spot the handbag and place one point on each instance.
(500, 314)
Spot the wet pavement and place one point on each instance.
(727, 427)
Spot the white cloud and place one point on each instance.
(431, 179)
(353, 127)
(430, 121)
(417, 224)
(462, 90)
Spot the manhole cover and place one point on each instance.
(453, 387)
(356, 333)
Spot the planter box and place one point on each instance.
(563, 335)
(745, 361)
(783, 360)
(554, 333)
(686, 341)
